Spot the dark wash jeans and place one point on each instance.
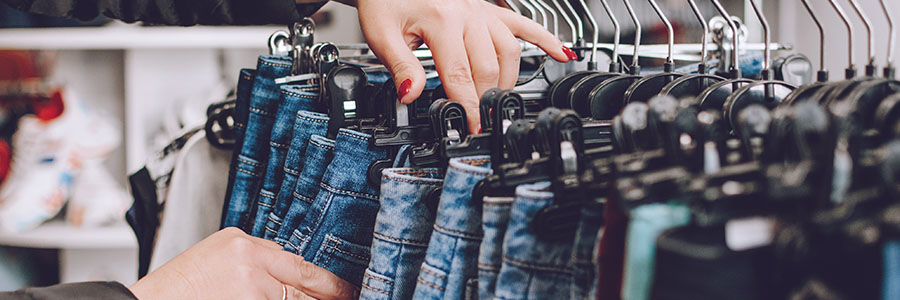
(584, 268)
(495, 218)
(293, 98)
(336, 232)
(306, 125)
(534, 267)
(254, 149)
(402, 229)
(319, 154)
(241, 113)
(450, 270)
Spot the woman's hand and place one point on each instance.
(232, 265)
(473, 43)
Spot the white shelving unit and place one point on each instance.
(137, 74)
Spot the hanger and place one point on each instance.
(805, 92)
(715, 95)
(766, 92)
(606, 99)
(692, 85)
(577, 95)
(558, 94)
(889, 67)
(647, 87)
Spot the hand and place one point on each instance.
(232, 265)
(473, 43)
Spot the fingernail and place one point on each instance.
(404, 88)
(569, 53)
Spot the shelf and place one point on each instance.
(129, 36)
(58, 234)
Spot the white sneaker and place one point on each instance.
(97, 199)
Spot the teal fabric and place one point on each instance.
(647, 223)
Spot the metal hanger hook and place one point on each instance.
(703, 50)
(840, 10)
(568, 21)
(616, 28)
(815, 18)
(542, 12)
(735, 55)
(870, 52)
(890, 19)
(595, 38)
(669, 30)
(553, 14)
(637, 34)
(578, 23)
(767, 54)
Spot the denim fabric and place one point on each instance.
(306, 124)
(450, 270)
(254, 149)
(241, 113)
(647, 223)
(293, 99)
(336, 232)
(319, 154)
(891, 283)
(584, 270)
(534, 267)
(494, 219)
(402, 229)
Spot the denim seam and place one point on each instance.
(289, 93)
(260, 112)
(496, 203)
(291, 171)
(304, 198)
(417, 172)
(367, 275)
(351, 193)
(460, 234)
(413, 181)
(488, 267)
(355, 136)
(273, 220)
(296, 248)
(267, 194)
(329, 147)
(277, 145)
(538, 267)
(273, 64)
(269, 229)
(263, 204)
(524, 197)
(366, 286)
(398, 240)
(422, 281)
(251, 173)
(423, 269)
(302, 117)
(247, 161)
(477, 173)
(338, 243)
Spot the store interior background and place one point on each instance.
(139, 75)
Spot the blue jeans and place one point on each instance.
(254, 149)
(319, 154)
(336, 231)
(241, 113)
(402, 229)
(891, 283)
(533, 267)
(450, 270)
(293, 98)
(495, 218)
(306, 125)
(647, 223)
(584, 269)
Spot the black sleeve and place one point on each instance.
(175, 12)
(73, 291)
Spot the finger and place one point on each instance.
(394, 52)
(264, 242)
(485, 67)
(271, 288)
(310, 279)
(509, 53)
(534, 33)
(452, 63)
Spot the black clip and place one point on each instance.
(346, 85)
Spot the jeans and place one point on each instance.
(254, 149)
(584, 270)
(495, 218)
(402, 229)
(891, 283)
(319, 154)
(611, 252)
(241, 113)
(534, 267)
(293, 98)
(647, 223)
(336, 232)
(306, 125)
(450, 270)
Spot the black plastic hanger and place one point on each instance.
(692, 85)
(806, 92)
(578, 92)
(649, 86)
(606, 99)
(715, 95)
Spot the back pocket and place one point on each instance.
(345, 259)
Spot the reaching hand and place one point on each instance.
(232, 265)
(473, 43)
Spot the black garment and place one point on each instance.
(175, 12)
(73, 291)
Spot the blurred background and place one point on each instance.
(84, 104)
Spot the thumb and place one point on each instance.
(405, 68)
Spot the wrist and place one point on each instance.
(347, 2)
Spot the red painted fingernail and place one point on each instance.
(404, 88)
(569, 53)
